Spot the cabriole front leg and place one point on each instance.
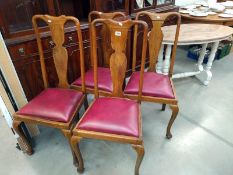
(75, 147)
(68, 134)
(140, 154)
(27, 147)
(175, 110)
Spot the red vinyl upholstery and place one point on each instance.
(155, 85)
(104, 79)
(112, 115)
(53, 104)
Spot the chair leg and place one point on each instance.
(68, 134)
(86, 103)
(140, 154)
(175, 110)
(75, 147)
(163, 107)
(16, 125)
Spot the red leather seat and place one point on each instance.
(53, 104)
(112, 115)
(155, 85)
(104, 79)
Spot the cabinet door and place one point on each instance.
(140, 5)
(17, 14)
(110, 5)
(78, 8)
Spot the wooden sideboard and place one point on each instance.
(16, 27)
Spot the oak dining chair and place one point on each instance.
(54, 107)
(114, 118)
(157, 88)
(105, 81)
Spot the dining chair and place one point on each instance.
(105, 81)
(157, 88)
(54, 107)
(113, 118)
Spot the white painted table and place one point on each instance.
(193, 34)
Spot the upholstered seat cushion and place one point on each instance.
(104, 79)
(155, 85)
(112, 115)
(53, 104)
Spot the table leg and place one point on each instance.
(198, 67)
(167, 59)
(201, 57)
(206, 75)
(159, 64)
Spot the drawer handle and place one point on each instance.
(51, 44)
(70, 38)
(21, 51)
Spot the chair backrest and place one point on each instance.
(60, 55)
(102, 15)
(105, 33)
(118, 61)
(156, 37)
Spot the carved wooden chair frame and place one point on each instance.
(118, 63)
(105, 39)
(56, 25)
(104, 30)
(155, 41)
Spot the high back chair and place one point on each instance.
(113, 118)
(105, 81)
(54, 107)
(157, 88)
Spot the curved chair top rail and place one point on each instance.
(60, 55)
(105, 15)
(118, 61)
(156, 37)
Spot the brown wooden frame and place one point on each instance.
(56, 25)
(118, 69)
(104, 31)
(105, 39)
(155, 41)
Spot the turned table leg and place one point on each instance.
(206, 75)
(159, 65)
(201, 57)
(210, 62)
(167, 59)
(198, 67)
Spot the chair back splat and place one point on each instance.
(118, 61)
(156, 37)
(60, 55)
(105, 33)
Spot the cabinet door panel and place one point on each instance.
(17, 14)
(110, 5)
